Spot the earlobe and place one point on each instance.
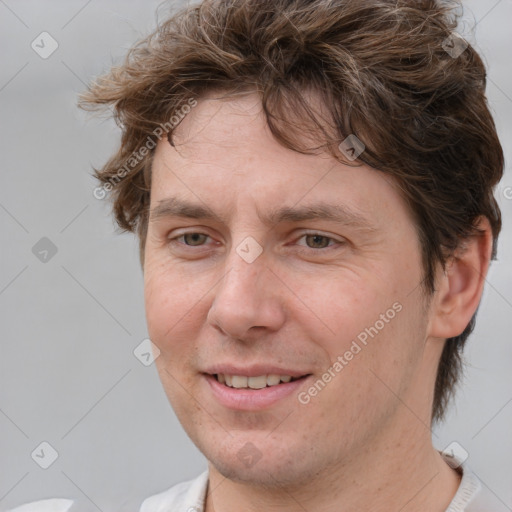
(460, 286)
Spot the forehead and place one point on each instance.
(220, 112)
(225, 157)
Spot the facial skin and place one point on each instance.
(364, 440)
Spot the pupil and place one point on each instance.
(318, 239)
(194, 238)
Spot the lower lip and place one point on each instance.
(252, 399)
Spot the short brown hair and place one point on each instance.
(383, 71)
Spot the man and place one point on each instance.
(311, 183)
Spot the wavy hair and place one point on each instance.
(383, 71)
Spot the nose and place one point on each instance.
(247, 300)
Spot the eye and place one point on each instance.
(190, 239)
(313, 241)
(317, 240)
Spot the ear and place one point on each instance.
(459, 287)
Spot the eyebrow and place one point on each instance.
(176, 207)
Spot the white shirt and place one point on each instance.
(472, 496)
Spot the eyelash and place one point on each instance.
(306, 249)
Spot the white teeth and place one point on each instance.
(239, 381)
(272, 380)
(259, 382)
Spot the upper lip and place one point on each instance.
(254, 370)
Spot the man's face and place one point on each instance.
(323, 290)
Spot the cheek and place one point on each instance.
(339, 307)
(365, 379)
(157, 306)
(171, 305)
(380, 356)
(373, 323)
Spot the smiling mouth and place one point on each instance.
(259, 382)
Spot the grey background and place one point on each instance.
(68, 375)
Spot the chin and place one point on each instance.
(274, 467)
(265, 475)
